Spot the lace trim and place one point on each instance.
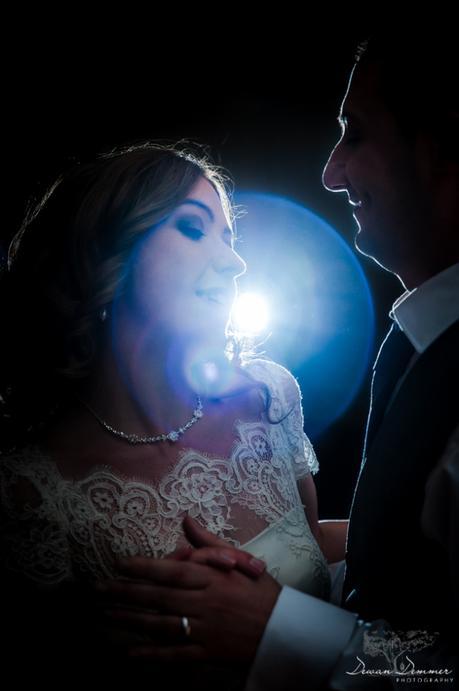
(286, 405)
(78, 526)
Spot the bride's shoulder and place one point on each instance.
(26, 477)
(22, 458)
(269, 371)
(280, 382)
(27, 464)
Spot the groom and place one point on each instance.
(398, 162)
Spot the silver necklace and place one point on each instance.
(173, 435)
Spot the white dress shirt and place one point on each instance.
(424, 313)
(307, 642)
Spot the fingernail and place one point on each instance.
(258, 565)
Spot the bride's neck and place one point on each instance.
(138, 388)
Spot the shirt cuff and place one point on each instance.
(301, 644)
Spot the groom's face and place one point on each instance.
(382, 173)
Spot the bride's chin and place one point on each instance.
(212, 331)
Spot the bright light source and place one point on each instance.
(250, 314)
(210, 372)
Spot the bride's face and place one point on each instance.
(184, 277)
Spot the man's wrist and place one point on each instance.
(302, 641)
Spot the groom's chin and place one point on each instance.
(367, 245)
(364, 245)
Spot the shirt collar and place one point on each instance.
(424, 313)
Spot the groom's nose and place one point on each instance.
(334, 173)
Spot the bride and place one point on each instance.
(136, 404)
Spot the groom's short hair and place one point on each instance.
(417, 67)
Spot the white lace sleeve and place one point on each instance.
(285, 406)
(33, 540)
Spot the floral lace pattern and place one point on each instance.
(76, 528)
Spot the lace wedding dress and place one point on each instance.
(72, 529)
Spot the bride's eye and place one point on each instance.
(190, 229)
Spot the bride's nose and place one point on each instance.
(226, 260)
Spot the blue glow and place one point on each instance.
(250, 314)
(321, 310)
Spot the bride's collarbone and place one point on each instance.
(79, 445)
(80, 449)
(243, 402)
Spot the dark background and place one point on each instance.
(264, 102)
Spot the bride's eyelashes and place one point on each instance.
(190, 229)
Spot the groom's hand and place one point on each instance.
(227, 611)
(214, 551)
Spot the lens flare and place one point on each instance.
(250, 314)
(321, 319)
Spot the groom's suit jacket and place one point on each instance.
(394, 572)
